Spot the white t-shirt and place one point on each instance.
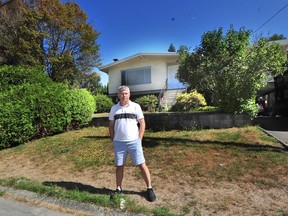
(125, 121)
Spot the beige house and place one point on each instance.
(145, 73)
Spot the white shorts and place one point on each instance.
(134, 148)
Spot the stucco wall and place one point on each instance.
(158, 74)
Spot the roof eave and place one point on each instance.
(105, 68)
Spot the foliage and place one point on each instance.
(33, 110)
(148, 102)
(275, 37)
(171, 48)
(48, 33)
(11, 76)
(189, 101)
(82, 107)
(228, 68)
(206, 109)
(103, 103)
(91, 82)
(32, 105)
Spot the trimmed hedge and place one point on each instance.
(103, 103)
(35, 106)
(82, 107)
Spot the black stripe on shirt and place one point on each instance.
(125, 116)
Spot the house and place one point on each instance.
(274, 96)
(146, 73)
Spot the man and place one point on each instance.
(124, 118)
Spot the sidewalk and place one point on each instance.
(274, 126)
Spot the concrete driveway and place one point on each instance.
(275, 126)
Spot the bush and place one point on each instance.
(82, 107)
(103, 103)
(36, 107)
(14, 76)
(50, 106)
(188, 101)
(16, 122)
(148, 102)
(250, 108)
(31, 111)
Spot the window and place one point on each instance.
(136, 76)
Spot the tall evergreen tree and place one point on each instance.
(171, 48)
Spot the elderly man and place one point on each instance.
(127, 138)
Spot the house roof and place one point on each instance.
(105, 68)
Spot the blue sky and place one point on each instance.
(128, 27)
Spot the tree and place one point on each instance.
(275, 37)
(54, 35)
(171, 48)
(91, 82)
(230, 69)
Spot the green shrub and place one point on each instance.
(189, 101)
(14, 76)
(103, 103)
(50, 106)
(249, 107)
(16, 121)
(32, 106)
(33, 110)
(148, 102)
(82, 107)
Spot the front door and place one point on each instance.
(173, 82)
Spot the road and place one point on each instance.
(275, 126)
(14, 208)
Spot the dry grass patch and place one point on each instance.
(236, 171)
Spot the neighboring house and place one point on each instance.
(146, 73)
(266, 95)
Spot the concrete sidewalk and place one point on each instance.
(274, 126)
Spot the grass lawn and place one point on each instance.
(236, 171)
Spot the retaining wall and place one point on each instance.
(179, 121)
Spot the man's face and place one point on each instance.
(124, 96)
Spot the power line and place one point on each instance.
(271, 18)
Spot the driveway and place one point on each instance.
(275, 126)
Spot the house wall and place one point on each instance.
(158, 74)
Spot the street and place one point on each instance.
(14, 208)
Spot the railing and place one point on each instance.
(161, 94)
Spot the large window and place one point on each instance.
(136, 76)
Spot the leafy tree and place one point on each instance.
(49, 33)
(275, 37)
(229, 68)
(91, 82)
(171, 48)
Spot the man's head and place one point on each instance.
(124, 94)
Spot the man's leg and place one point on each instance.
(119, 176)
(147, 178)
(145, 174)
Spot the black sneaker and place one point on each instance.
(151, 195)
(116, 192)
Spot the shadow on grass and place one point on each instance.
(151, 142)
(68, 185)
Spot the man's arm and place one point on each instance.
(111, 129)
(142, 128)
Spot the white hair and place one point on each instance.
(122, 88)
